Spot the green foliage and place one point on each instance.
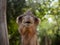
(48, 11)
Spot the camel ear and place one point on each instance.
(36, 20)
(19, 19)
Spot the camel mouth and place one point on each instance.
(28, 22)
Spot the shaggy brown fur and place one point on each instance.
(27, 28)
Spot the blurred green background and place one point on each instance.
(48, 11)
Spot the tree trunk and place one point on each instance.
(3, 25)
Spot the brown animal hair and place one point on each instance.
(27, 28)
